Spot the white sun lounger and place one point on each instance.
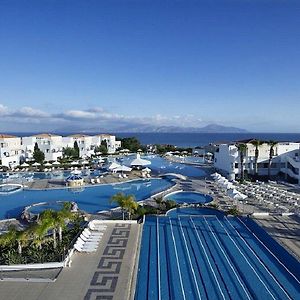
(97, 227)
(90, 239)
(87, 238)
(84, 249)
(92, 233)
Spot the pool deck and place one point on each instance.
(105, 274)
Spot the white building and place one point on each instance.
(285, 160)
(15, 150)
(50, 144)
(10, 150)
(84, 142)
(112, 143)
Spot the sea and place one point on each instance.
(195, 139)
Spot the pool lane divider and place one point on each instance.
(258, 259)
(247, 261)
(228, 261)
(189, 258)
(177, 260)
(208, 260)
(257, 238)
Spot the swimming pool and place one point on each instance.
(189, 197)
(213, 257)
(160, 165)
(92, 199)
(57, 174)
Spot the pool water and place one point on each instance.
(189, 197)
(213, 257)
(92, 199)
(160, 165)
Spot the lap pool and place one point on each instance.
(213, 257)
(91, 199)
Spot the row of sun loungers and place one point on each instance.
(90, 238)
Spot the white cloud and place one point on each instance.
(92, 117)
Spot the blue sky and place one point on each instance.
(108, 64)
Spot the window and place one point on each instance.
(236, 165)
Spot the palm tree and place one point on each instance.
(126, 202)
(256, 143)
(12, 236)
(242, 149)
(46, 220)
(22, 240)
(272, 144)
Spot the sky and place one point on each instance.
(84, 65)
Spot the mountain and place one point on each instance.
(137, 127)
(211, 128)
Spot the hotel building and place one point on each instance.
(15, 150)
(285, 162)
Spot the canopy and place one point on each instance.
(74, 163)
(113, 166)
(36, 164)
(25, 164)
(47, 164)
(122, 169)
(85, 162)
(140, 162)
(148, 170)
(56, 163)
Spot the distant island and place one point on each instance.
(211, 128)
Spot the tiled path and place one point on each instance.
(105, 274)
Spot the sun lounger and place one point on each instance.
(85, 235)
(92, 181)
(97, 227)
(86, 244)
(84, 249)
(90, 239)
(92, 233)
(98, 180)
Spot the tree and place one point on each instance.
(76, 153)
(126, 202)
(38, 155)
(272, 144)
(256, 143)
(103, 147)
(131, 143)
(242, 150)
(47, 221)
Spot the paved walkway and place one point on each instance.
(105, 274)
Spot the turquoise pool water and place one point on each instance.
(160, 165)
(90, 199)
(189, 197)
